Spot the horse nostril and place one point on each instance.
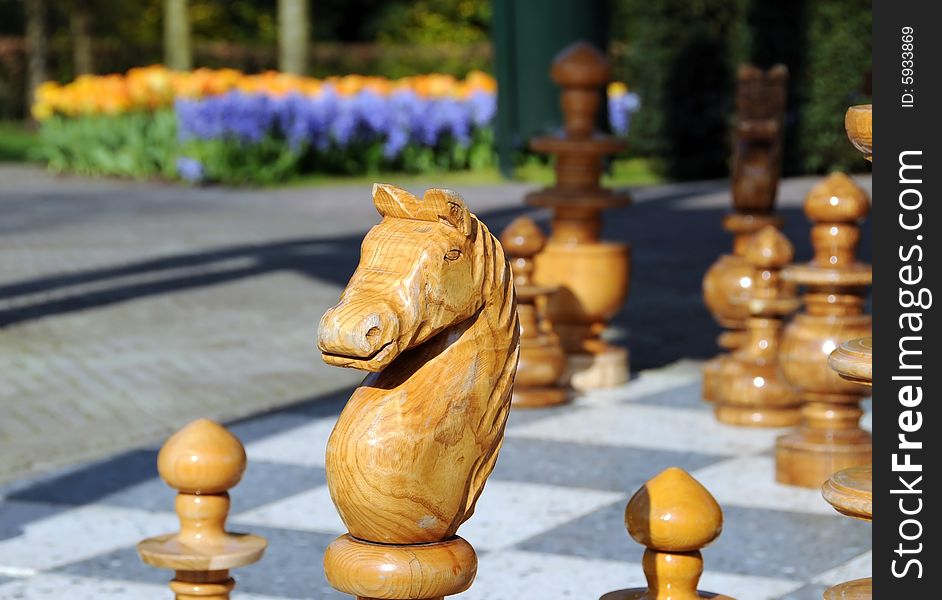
(372, 334)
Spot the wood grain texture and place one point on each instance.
(750, 390)
(202, 462)
(392, 572)
(431, 311)
(859, 589)
(853, 360)
(850, 492)
(592, 275)
(542, 360)
(674, 517)
(829, 438)
(858, 122)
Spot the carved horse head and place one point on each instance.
(418, 275)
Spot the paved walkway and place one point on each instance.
(128, 309)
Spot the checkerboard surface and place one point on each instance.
(549, 524)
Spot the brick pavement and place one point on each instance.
(127, 308)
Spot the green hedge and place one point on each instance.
(681, 56)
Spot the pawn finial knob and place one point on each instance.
(837, 199)
(522, 240)
(202, 461)
(674, 516)
(769, 249)
(581, 70)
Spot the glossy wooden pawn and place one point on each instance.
(750, 390)
(202, 461)
(830, 437)
(542, 360)
(674, 517)
(592, 275)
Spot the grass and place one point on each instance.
(16, 140)
(623, 172)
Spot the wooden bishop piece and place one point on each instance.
(673, 516)
(829, 438)
(542, 360)
(202, 461)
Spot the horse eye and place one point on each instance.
(453, 254)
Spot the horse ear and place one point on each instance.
(391, 200)
(451, 209)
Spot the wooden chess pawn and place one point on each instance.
(542, 360)
(673, 516)
(592, 275)
(757, 158)
(829, 438)
(430, 311)
(202, 461)
(750, 390)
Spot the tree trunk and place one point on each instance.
(293, 34)
(37, 47)
(177, 51)
(81, 26)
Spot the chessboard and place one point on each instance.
(550, 523)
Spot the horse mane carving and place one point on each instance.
(431, 312)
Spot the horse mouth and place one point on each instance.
(376, 361)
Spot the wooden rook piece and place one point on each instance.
(750, 391)
(673, 516)
(850, 491)
(202, 461)
(592, 275)
(542, 360)
(829, 438)
(430, 312)
(757, 165)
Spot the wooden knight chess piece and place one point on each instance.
(850, 491)
(592, 275)
(829, 438)
(430, 312)
(749, 389)
(202, 461)
(542, 360)
(757, 166)
(673, 516)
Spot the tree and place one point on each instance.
(293, 35)
(80, 24)
(37, 47)
(178, 54)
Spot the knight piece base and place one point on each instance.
(751, 416)
(808, 459)
(644, 594)
(400, 572)
(605, 369)
(859, 589)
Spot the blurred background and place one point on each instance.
(674, 60)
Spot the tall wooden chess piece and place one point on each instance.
(749, 388)
(673, 516)
(850, 491)
(592, 275)
(203, 461)
(430, 312)
(757, 165)
(829, 438)
(542, 360)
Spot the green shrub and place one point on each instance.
(137, 145)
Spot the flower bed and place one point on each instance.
(222, 125)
